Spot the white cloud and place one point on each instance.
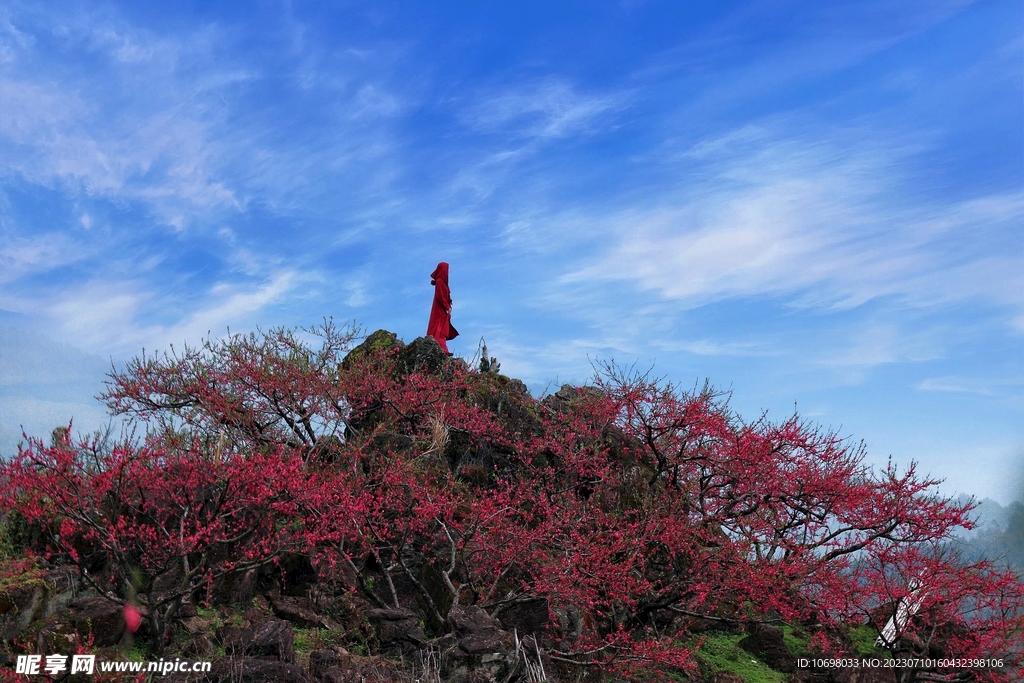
(874, 344)
(549, 108)
(711, 347)
(110, 316)
(969, 385)
(823, 227)
(25, 256)
(161, 150)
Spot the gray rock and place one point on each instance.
(22, 605)
(299, 611)
(423, 355)
(396, 626)
(100, 617)
(273, 638)
(478, 632)
(244, 670)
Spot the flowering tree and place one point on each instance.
(261, 391)
(812, 533)
(155, 524)
(631, 509)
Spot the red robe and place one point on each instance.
(440, 325)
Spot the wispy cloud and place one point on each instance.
(24, 256)
(548, 108)
(159, 168)
(970, 385)
(818, 224)
(56, 127)
(122, 317)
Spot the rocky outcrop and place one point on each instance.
(245, 670)
(34, 600)
(397, 629)
(380, 342)
(337, 665)
(21, 605)
(273, 639)
(299, 611)
(100, 617)
(477, 632)
(767, 643)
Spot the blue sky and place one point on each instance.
(808, 203)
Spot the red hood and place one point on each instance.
(440, 273)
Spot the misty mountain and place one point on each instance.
(999, 535)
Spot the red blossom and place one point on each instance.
(630, 508)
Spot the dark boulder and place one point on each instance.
(299, 611)
(767, 643)
(397, 629)
(423, 355)
(100, 617)
(244, 670)
(478, 632)
(322, 660)
(379, 343)
(336, 665)
(273, 638)
(527, 618)
(296, 574)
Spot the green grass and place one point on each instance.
(305, 641)
(722, 653)
(206, 612)
(863, 640)
(309, 639)
(797, 642)
(137, 653)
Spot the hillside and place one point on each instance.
(297, 507)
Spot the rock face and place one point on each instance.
(20, 606)
(479, 633)
(527, 618)
(397, 629)
(273, 639)
(299, 611)
(379, 341)
(767, 643)
(423, 355)
(100, 617)
(245, 670)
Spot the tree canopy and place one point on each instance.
(632, 510)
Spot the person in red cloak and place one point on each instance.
(440, 326)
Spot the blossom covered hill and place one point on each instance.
(297, 507)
